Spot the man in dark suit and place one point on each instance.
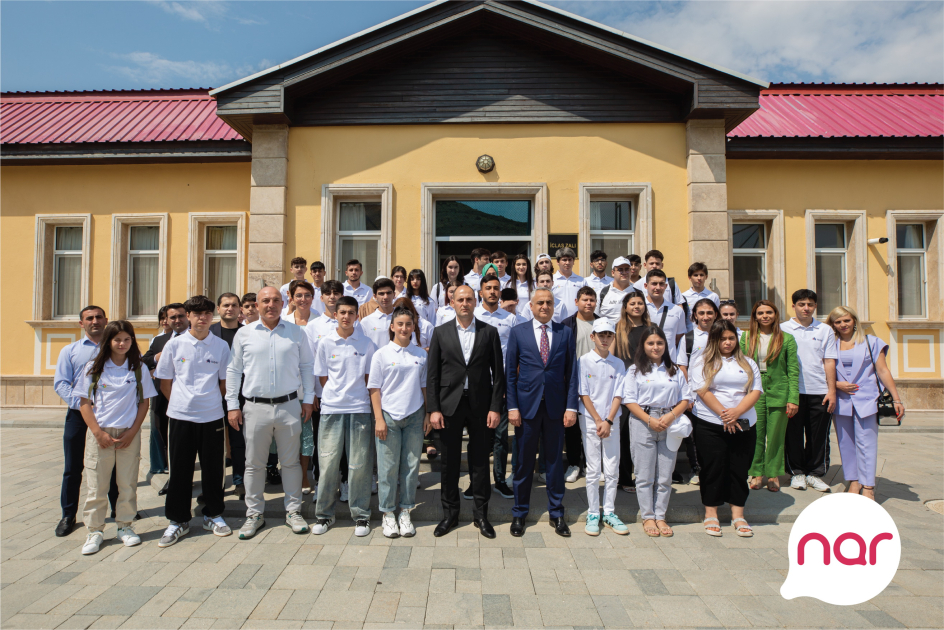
(542, 400)
(465, 386)
(177, 319)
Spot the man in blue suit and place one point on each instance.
(541, 368)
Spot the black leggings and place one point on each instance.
(725, 460)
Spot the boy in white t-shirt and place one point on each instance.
(299, 267)
(697, 275)
(600, 389)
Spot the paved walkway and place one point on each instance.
(462, 580)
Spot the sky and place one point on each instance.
(76, 45)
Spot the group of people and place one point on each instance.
(337, 389)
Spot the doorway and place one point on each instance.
(463, 249)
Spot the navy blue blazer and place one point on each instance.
(529, 379)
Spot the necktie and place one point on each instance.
(545, 347)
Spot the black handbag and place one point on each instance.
(885, 402)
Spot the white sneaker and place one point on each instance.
(216, 525)
(314, 492)
(322, 525)
(542, 478)
(573, 472)
(93, 543)
(816, 483)
(695, 480)
(419, 484)
(406, 525)
(296, 522)
(343, 492)
(252, 525)
(390, 529)
(373, 486)
(361, 527)
(128, 537)
(173, 533)
(798, 482)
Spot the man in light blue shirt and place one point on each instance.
(72, 360)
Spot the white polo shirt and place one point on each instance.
(500, 319)
(316, 330)
(317, 306)
(345, 362)
(597, 284)
(426, 333)
(197, 367)
(524, 296)
(445, 314)
(692, 297)
(474, 280)
(727, 386)
(815, 343)
(362, 293)
(601, 380)
(565, 289)
(505, 282)
(427, 310)
(674, 322)
(377, 327)
(656, 389)
(700, 342)
(675, 298)
(400, 375)
(557, 317)
(612, 303)
(116, 398)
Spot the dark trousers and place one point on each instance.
(626, 458)
(237, 454)
(481, 440)
(159, 411)
(811, 422)
(725, 461)
(73, 447)
(187, 440)
(500, 448)
(573, 443)
(536, 431)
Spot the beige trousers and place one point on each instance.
(99, 463)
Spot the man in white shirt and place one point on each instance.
(500, 260)
(655, 260)
(377, 325)
(817, 352)
(598, 279)
(317, 272)
(479, 260)
(545, 280)
(354, 287)
(192, 369)
(610, 303)
(298, 265)
(697, 275)
(342, 365)
(273, 359)
(669, 317)
(566, 282)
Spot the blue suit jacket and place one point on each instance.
(529, 379)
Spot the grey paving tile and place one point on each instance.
(496, 610)
(398, 557)
(880, 619)
(648, 582)
(229, 604)
(240, 576)
(120, 600)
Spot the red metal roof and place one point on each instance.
(846, 110)
(111, 116)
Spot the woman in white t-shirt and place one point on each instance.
(301, 294)
(446, 313)
(523, 283)
(418, 292)
(450, 272)
(397, 386)
(114, 389)
(727, 385)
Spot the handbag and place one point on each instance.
(885, 402)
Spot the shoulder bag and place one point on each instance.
(885, 403)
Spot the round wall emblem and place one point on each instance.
(485, 163)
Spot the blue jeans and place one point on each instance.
(339, 433)
(398, 459)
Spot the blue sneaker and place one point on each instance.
(613, 522)
(593, 525)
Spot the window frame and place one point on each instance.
(640, 196)
(332, 195)
(755, 252)
(834, 252)
(196, 271)
(119, 306)
(217, 253)
(921, 255)
(44, 269)
(774, 259)
(856, 256)
(933, 262)
(629, 234)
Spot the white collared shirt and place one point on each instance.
(537, 334)
(674, 322)
(426, 333)
(815, 343)
(524, 297)
(565, 289)
(400, 375)
(116, 396)
(69, 366)
(345, 362)
(467, 341)
(505, 282)
(612, 303)
(699, 343)
(316, 330)
(500, 319)
(196, 366)
(317, 306)
(656, 389)
(426, 310)
(377, 327)
(445, 314)
(675, 298)
(362, 293)
(691, 297)
(270, 363)
(727, 386)
(597, 284)
(601, 379)
(557, 317)
(474, 280)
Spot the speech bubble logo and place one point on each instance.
(844, 550)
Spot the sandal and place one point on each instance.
(773, 484)
(665, 532)
(712, 530)
(431, 452)
(757, 483)
(745, 531)
(652, 532)
(630, 489)
(868, 492)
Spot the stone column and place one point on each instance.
(708, 238)
(267, 206)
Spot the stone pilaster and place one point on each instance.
(267, 206)
(708, 238)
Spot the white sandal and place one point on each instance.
(743, 532)
(711, 532)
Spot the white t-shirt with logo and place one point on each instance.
(345, 362)
(815, 343)
(196, 366)
(116, 396)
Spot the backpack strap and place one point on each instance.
(689, 342)
(683, 303)
(139, 389)
(603, 293)
(93, 387)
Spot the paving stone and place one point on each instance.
(300, 576)
(227, 603)
(240, 576)
(410, 616)
(342, 606)
(569, 610)
(107, 622)
(398, 557)
(27, 620)
(157, 623)
(880, 619)
(383, 608)
(404, 580)
(496, 610)
(120, 600)
(455, 608)
(77, 622)
(648, 582)
(270, 605)
(363, 556)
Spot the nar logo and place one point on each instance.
(844, 550)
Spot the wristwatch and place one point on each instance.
(608, 420)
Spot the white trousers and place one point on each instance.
(262, 423)
(603, 457)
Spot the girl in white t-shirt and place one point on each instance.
(451, 270)
(727, 385)
(446, 313)
(114, 389)
(417, 291)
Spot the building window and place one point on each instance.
(749, 245)
(143, 266)
(612, 227)
(830, 249)
(359, 231)
(67, 272)
(912, 281)
(220, 260)
(494, 224)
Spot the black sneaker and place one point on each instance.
(240, 492)
(677, 478)
(273, 476)
(503, 490)
(467, 494)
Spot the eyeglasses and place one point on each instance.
(728, 302)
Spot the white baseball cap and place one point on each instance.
(678, 430)
(603, 324)
(540, 256)
(619, 260)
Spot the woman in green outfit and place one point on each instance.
(775, 353)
